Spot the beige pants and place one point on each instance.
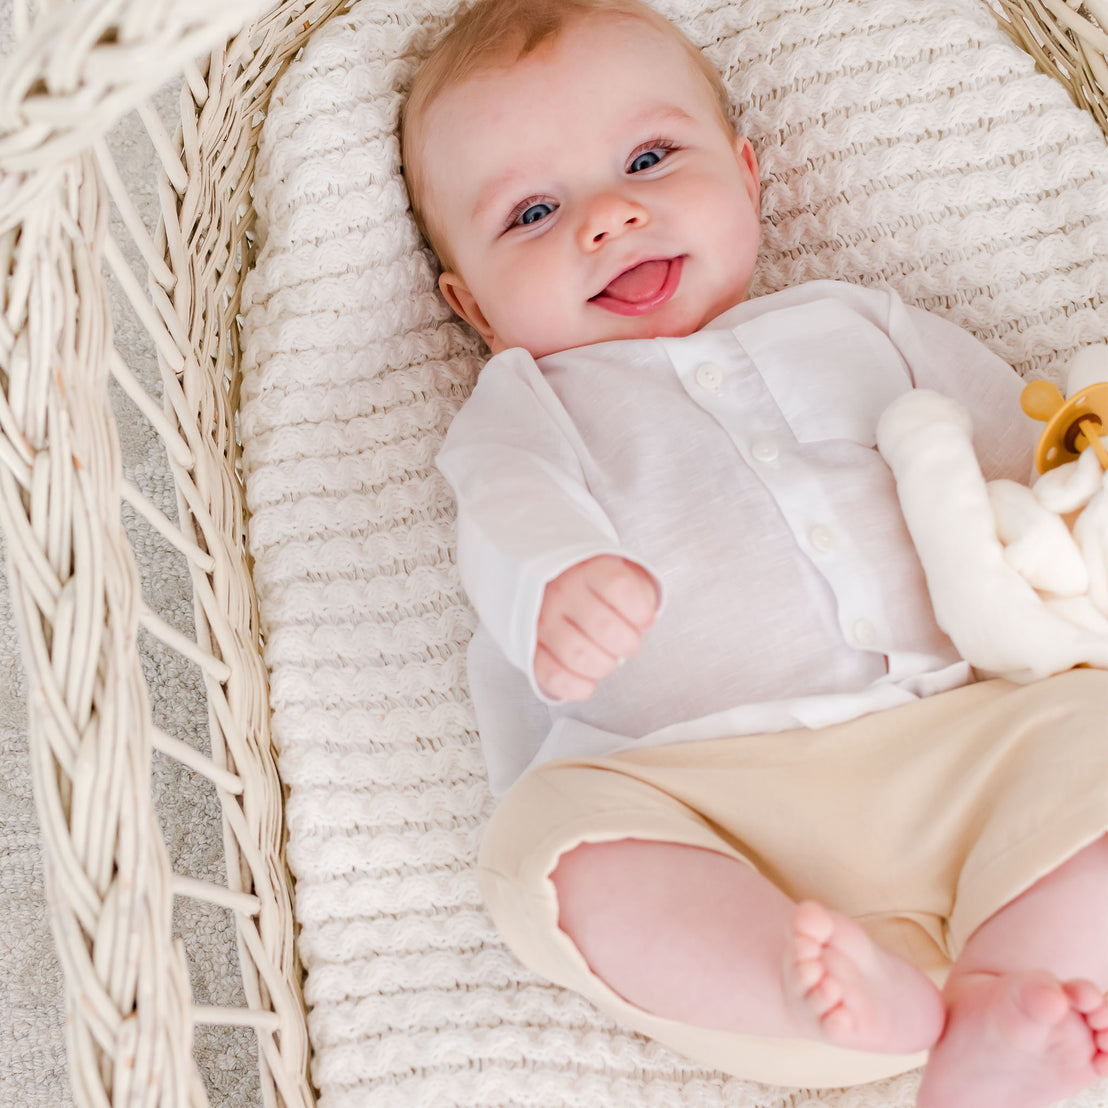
(920, 822)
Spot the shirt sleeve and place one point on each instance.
(944, 357)
(525, 514)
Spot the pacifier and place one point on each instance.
(1077, 420)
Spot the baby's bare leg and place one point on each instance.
(696, 936)
(1028, 1022)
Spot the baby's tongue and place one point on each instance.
(640, 283)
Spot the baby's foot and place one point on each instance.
(1024, 1040)
(861, 996)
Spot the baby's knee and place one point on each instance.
(585, 880)
(578, 867)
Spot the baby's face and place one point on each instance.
(590, 192)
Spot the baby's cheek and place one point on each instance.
(533, 316)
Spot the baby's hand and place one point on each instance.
(592, 617)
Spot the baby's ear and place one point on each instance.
(465, 304)
(748, 162)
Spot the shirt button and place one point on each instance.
(764, 451)
(863, 633)
(822, 538)
(709, 376)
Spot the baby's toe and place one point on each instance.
(827, 994)
(1085, 997)
(812, 921)
(806, 949)
(839, 1022)
(806, 975)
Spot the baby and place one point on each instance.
(754, 803)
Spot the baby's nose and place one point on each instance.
(608, 217)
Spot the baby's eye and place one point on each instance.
(528, 213)
(647, 157)
(645, 160)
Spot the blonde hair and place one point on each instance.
(491, 33)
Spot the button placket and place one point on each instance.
(721, 378)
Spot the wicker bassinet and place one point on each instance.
(76, 70)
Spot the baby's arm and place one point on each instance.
(531, 536)
(592, 617)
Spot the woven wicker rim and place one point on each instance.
(74, 582)
(75, 587)
(1069, 40)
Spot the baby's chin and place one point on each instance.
(660, 325)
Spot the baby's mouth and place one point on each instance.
(642, 288)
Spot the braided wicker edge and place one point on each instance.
(74, 582)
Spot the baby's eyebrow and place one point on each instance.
(661, 113)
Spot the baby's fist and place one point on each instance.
(592, 617)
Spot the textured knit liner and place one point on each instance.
(904, 143)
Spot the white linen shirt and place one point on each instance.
(737, 465)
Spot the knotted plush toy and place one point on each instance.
(1018, 575)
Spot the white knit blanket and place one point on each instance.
(904, 143)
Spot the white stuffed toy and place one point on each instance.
(1018, 582)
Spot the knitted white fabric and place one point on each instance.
(904, 143)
